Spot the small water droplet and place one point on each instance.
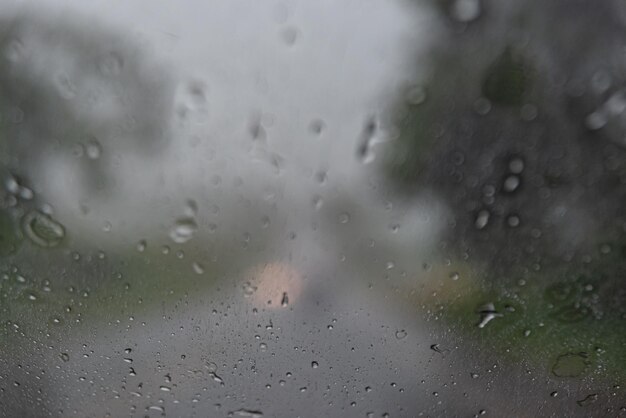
(317, 126)
(482, 106)
(285, 300)
(65, 357)
(289, 35)
(314, 364)
(344, 218)
(465, 10)
(191, 208)
(65, 86)
(111, 64)
(416, 95)
(513, 221)
(141, 245)
(601, 82)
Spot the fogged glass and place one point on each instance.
(375, 208)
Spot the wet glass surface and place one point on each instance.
(366, 208)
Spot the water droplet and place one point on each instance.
(111, 64)
(317, 126)
(191, 208)
(344, 218)
(596, 120)
(554, 394)
(289, 35)
(601, 82)
(141, 245)
(487, 314)
(570, 364)
(528, 112)
(513, 221)
(249, 413)
(416, 95)
(466, 10)
(216, 378)
(285, 300)
(482, 106)
(436, 348)
(14, 50)
(516, 165)
(65, 86)
(482, 219)
(364, 152)
(165, 388)
(191, 101)
(454, 276)
(511, 183)
(42, 229)
(198, 268)
(314, 364)
(93, 149)
(400, 334)
(155, 408)
(183, 230)
(65, 357)
(588, 400)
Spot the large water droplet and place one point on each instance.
(401, 334)
(183, 230)
(42, 229)
(482, 219)
(465, 10)
(93, 149)
(570, 364)
(487, 314)
(249, 413)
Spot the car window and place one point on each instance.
(375, 208)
